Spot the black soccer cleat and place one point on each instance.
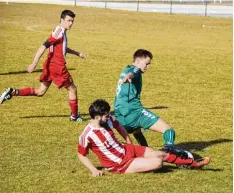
(6, 95)
(175, 150)
(76, 118)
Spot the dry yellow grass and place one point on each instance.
(191, 76)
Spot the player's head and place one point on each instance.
(67, 19)
(99, 110)
(142, 59)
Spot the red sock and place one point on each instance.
(26, 92)
(172, 158)
(74, 107)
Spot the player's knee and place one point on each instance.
(155, 164)
(40, 93)
(73, 88)
(158, 164)
(151, 153)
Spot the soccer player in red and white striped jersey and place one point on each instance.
(54, 68)
(115, 156)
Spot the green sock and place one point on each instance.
(169, 136)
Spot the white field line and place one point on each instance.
(30, 28)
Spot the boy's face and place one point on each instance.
(67, 22)
(143, 63)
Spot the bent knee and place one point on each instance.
(158, 165)
(72, 88)
(40, 93)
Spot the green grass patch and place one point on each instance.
(189, 84)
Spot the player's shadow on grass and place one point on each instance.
(157, 107)
(25, 72)
(84, 116)
(170, 168)
(200, 145)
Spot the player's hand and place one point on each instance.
(82, 56)
(97, 173)
(127, 78)
(31, 67)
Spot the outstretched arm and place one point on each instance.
(70, 51)
(87, 163)
(36, 59)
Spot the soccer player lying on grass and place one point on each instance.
(54, 68)
(115, 156)
(128, 109)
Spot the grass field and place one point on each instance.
(189, 84)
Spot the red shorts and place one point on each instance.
(56, 73)
(132, 152)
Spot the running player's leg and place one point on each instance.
(149, 120)
(44, 86)
(62, 78)
(73, 102)
(130, 123)
(10, 92)
(140, 137)
(168, 132)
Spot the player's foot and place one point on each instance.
(175, 150)
(6, 95)
(76, 118)
(199, 164)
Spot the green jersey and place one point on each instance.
(128, 94)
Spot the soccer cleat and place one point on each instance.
(175, 150)
(76, 118)
(6, 95)
(200, 163)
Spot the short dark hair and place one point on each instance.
(99, 107)
(67, 12)
(142, 53)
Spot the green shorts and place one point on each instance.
(138, 118)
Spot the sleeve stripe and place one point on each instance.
(56, 33)
(83, 136)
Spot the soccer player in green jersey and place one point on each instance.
(128, 108)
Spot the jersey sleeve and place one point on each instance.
(55, 37)
(83, 145)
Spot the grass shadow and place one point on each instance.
(200, 145)
(157, 107)
(54, 116)
(165, 169)
(25, 72)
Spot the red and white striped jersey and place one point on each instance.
(103, 143)
(58, 45)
